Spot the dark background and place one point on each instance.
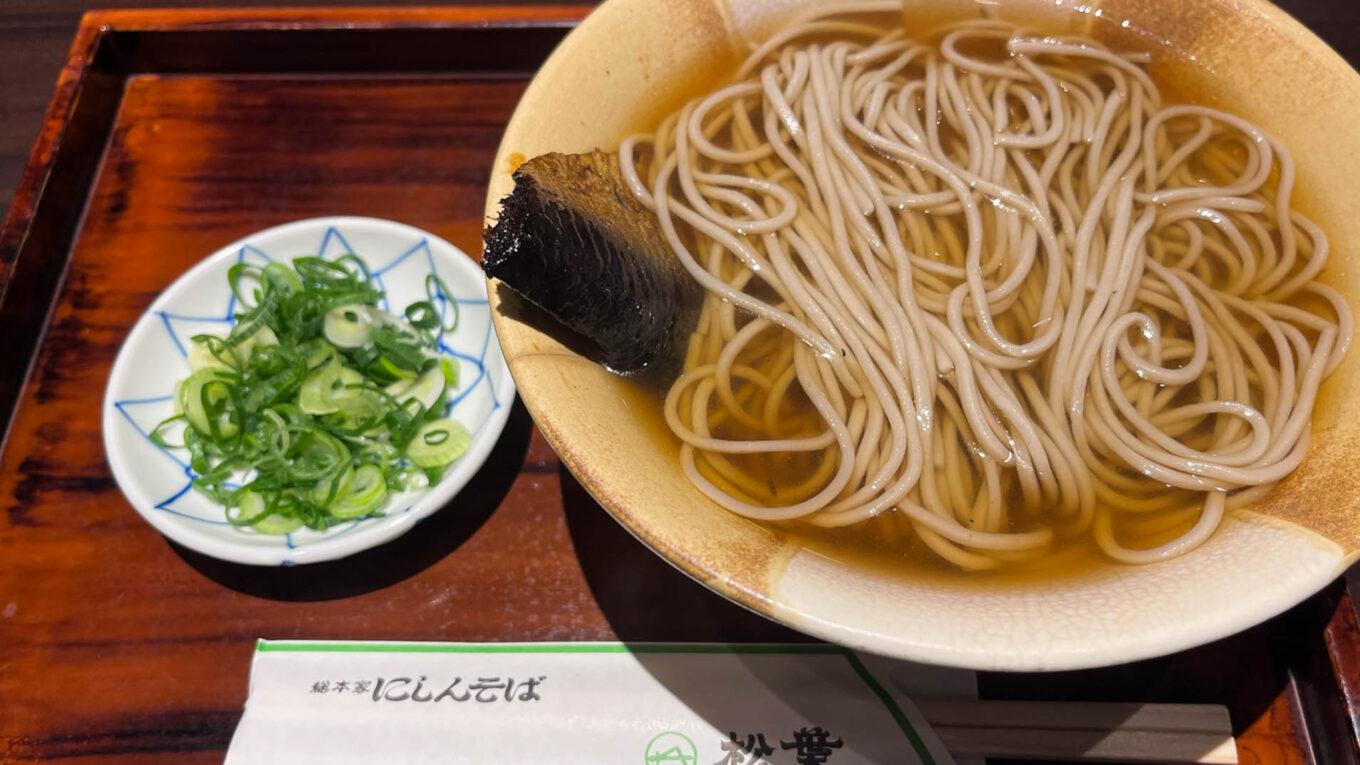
(34, 35)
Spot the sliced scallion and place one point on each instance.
(320, 403)
(438, 443)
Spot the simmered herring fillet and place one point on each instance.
(573, 240)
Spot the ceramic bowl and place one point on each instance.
(633, 60)
(152, 361)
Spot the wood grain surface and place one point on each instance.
(117, 646)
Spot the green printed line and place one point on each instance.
(893, 709)
(265, 646)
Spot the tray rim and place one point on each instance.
(358, 17)
(95, 26)
(46, 266)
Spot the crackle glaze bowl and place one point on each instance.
(632, 60)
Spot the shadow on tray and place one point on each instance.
(1259, 674)
(385, 565)
(645, 599)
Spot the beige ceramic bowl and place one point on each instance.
(631, 60)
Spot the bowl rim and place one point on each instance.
(370, 535)
(1227, 622)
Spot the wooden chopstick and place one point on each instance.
(1081, 731)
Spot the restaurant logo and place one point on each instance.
(671, 747)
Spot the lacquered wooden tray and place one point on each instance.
(172, 133)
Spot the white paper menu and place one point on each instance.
(596, 703)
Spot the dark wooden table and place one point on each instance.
(117, 646)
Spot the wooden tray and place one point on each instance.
(173, 133)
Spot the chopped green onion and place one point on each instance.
(349, 326)
(426, 389)
(325, 390)
(450, 370)
(438, 443)
(435, 292)
(321, 402)
(363, 493)
(205, 400)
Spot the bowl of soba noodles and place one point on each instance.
(1008, 336)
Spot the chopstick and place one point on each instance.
(1081, 731)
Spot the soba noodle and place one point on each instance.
(990, 291)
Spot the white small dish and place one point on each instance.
(156, 481)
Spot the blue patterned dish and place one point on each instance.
(153, 360)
